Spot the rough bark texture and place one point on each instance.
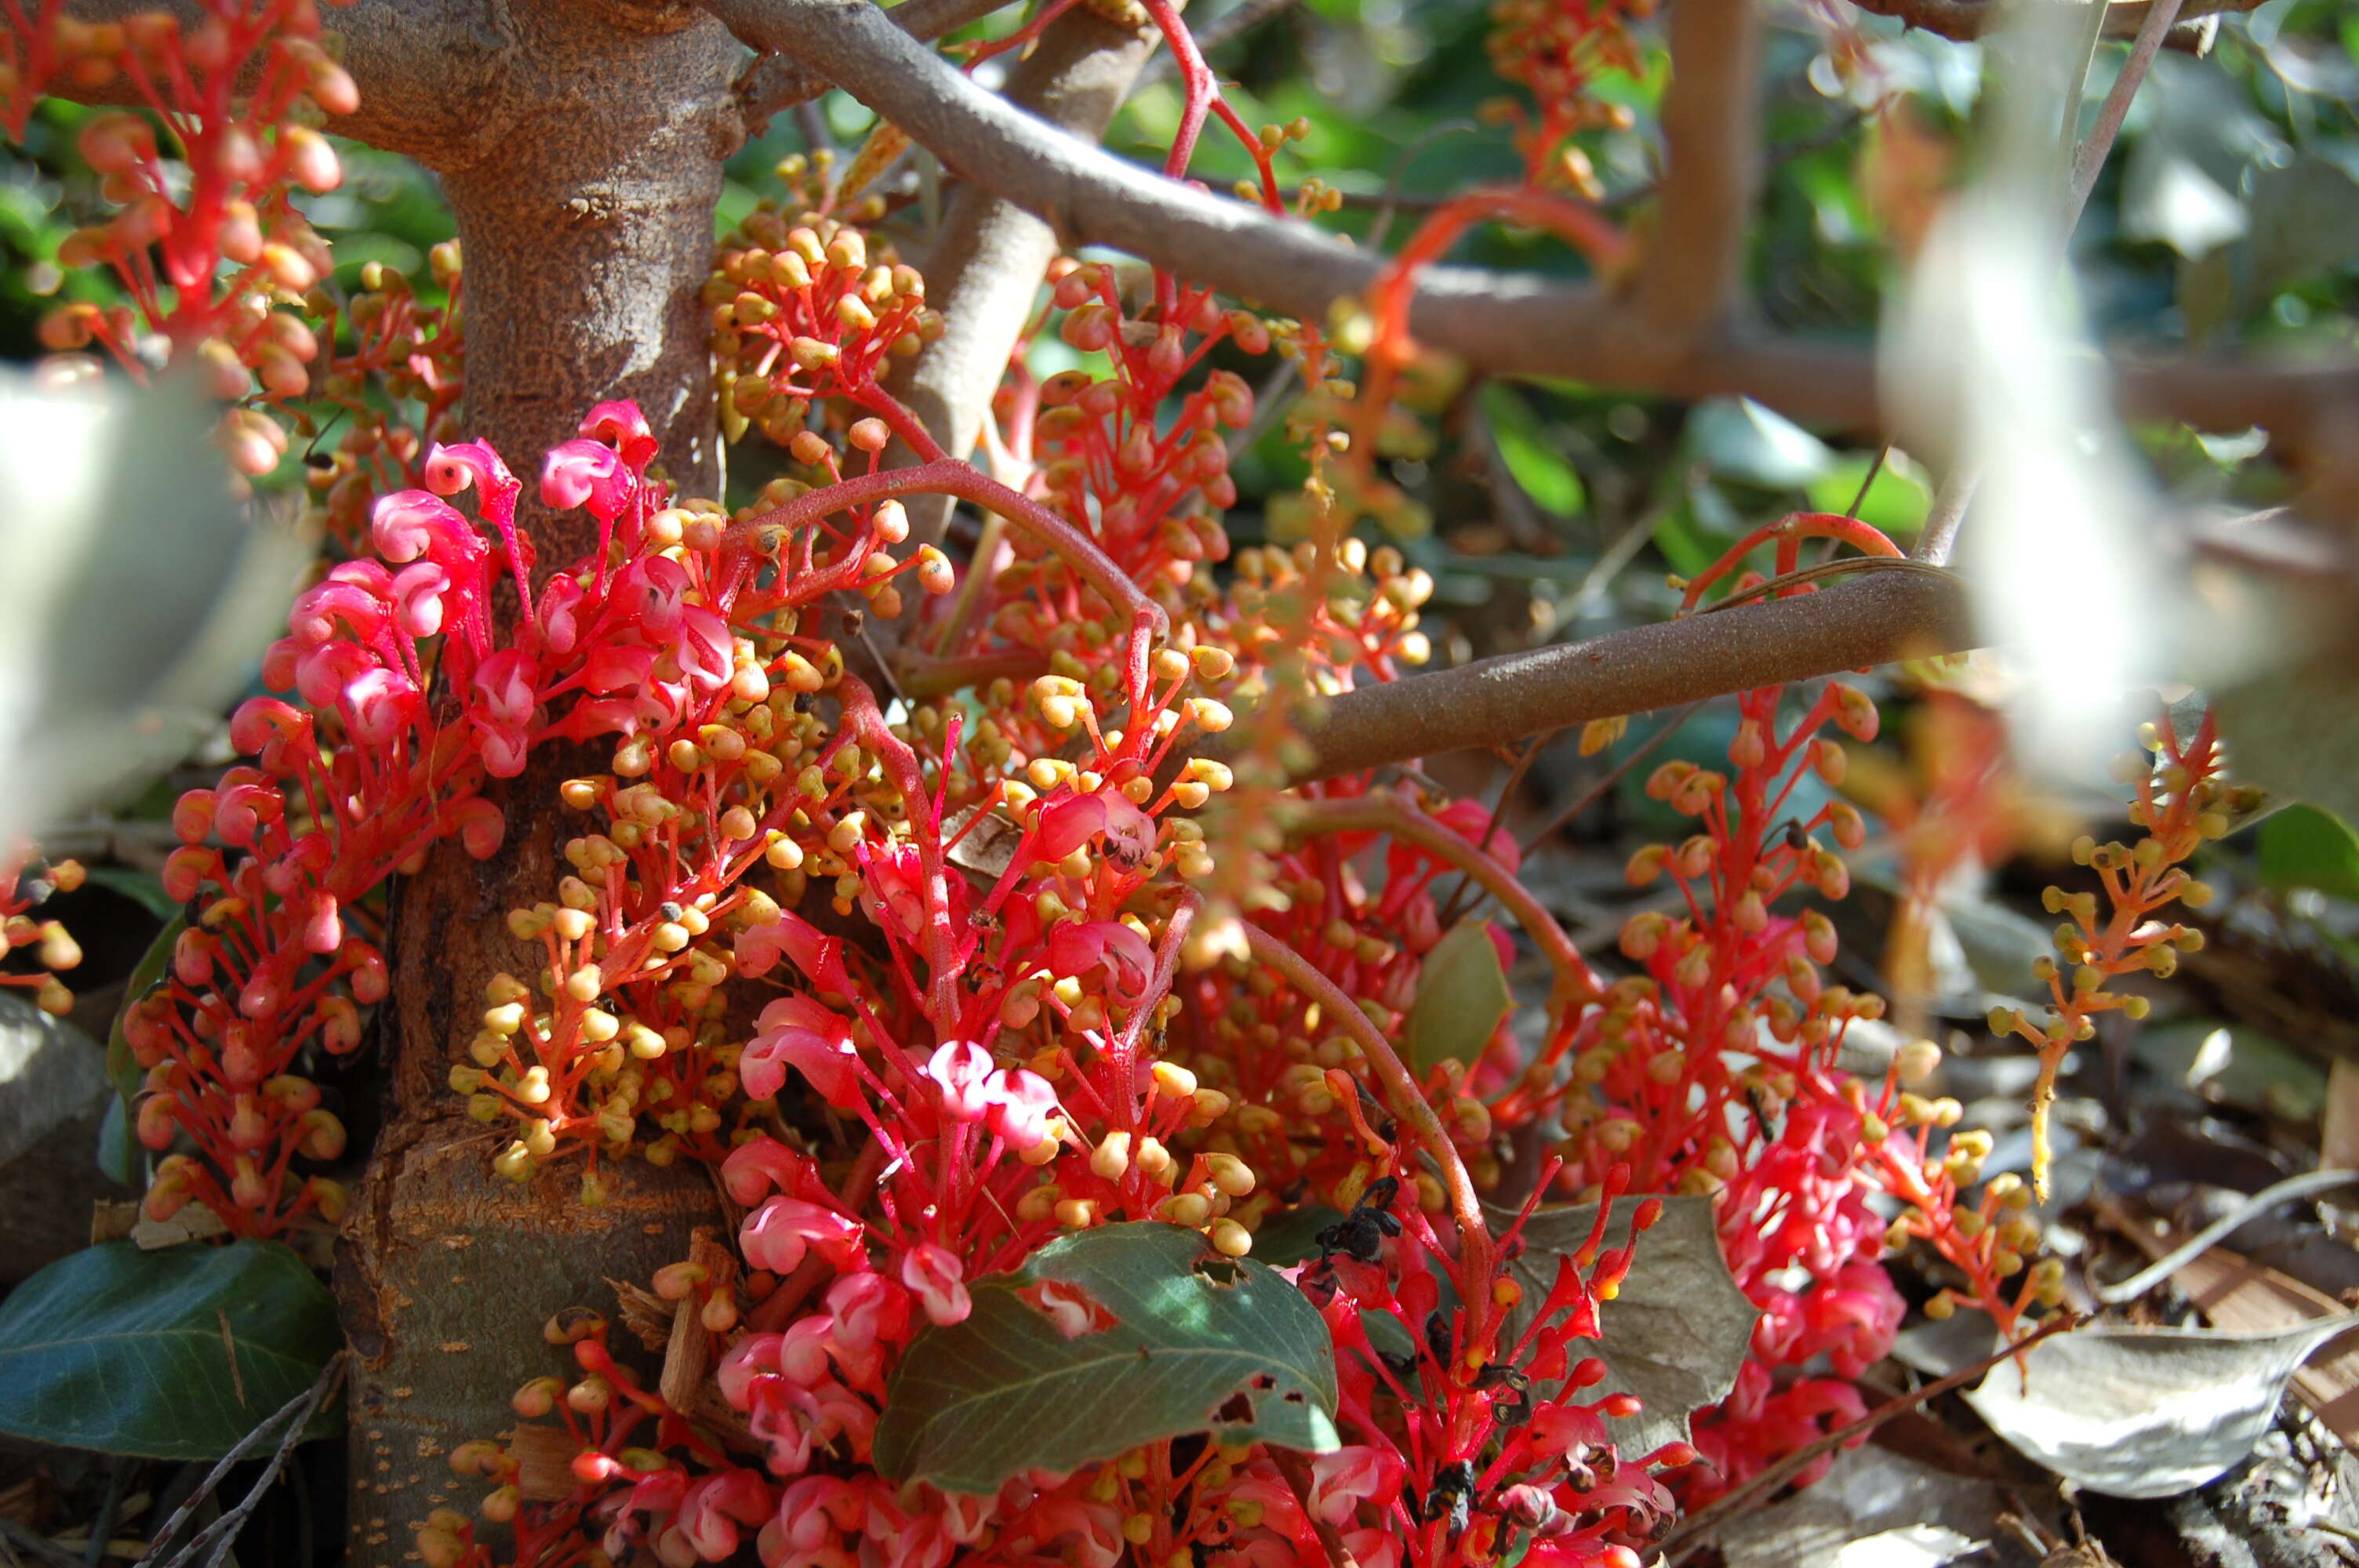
(584, 187)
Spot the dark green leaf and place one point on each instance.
(1524, 444)
(1738, 439)
(122, 1068)
(118, 1148)
(1185, 1335)
(1462, 995)
(138, 886)
(2302, 847)
(1678, 1330)
(130, 1352)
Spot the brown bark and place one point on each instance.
(985, 272)
(585, 188)
(1852, 625)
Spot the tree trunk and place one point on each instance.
(585, 213)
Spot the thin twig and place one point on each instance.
(1530, 750)
(1596, 791)
(1400, 1086)
(2203, 1241)
(110, 1507)
(1233, 24)
(1508, 323)
(2094, 149)
(40, 1547)
(1705, 1518)
(296, 1415)
(1850, 567)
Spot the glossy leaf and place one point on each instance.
(1530, 455)
(1196, 1342)
(169, 1354)
(1462, 995)
(1896, 503)
(2303, 847)
(122, 1068)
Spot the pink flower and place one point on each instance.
(821, 959)
(964, 1071)
(580, 471)
(797, 1032)
(504, 689)
(1342, 1480)
(760, 1165)
(1076, 946)
(1022, 1104)
(1468, 817)
(815, 1513)
(1067, 824)
(868, 1309)
(935, 1273)
(777, 1236)
(622, 426)
(709, 1514)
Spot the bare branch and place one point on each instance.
(984, 275)
(1870, 620)
(1969, 19)
(1695, 262)
(1508, 323)
(775, 81)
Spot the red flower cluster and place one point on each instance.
(214, 269)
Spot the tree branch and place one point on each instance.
(1870, 620)
(1969, 19)
(1507, 323)
(983, 274)
(777, 81)
(1695, 262)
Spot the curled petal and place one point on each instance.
(585, 472)
(775, 1236)
(1066, 825)
(412, 523)
(622, 426)
(764, 1164)
(935, 1275)
(965, 1073)
(827, 1059)
(821, 959)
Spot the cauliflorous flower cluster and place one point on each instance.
(212, 257)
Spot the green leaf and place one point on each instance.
(118, 1147)
(130, 1352)
(1738, 439)
(1543, 471)
(1462, 995)
(122, 1068)
(139, 887)
(2302, 847)
(1895, 503)
(1184, 1341)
